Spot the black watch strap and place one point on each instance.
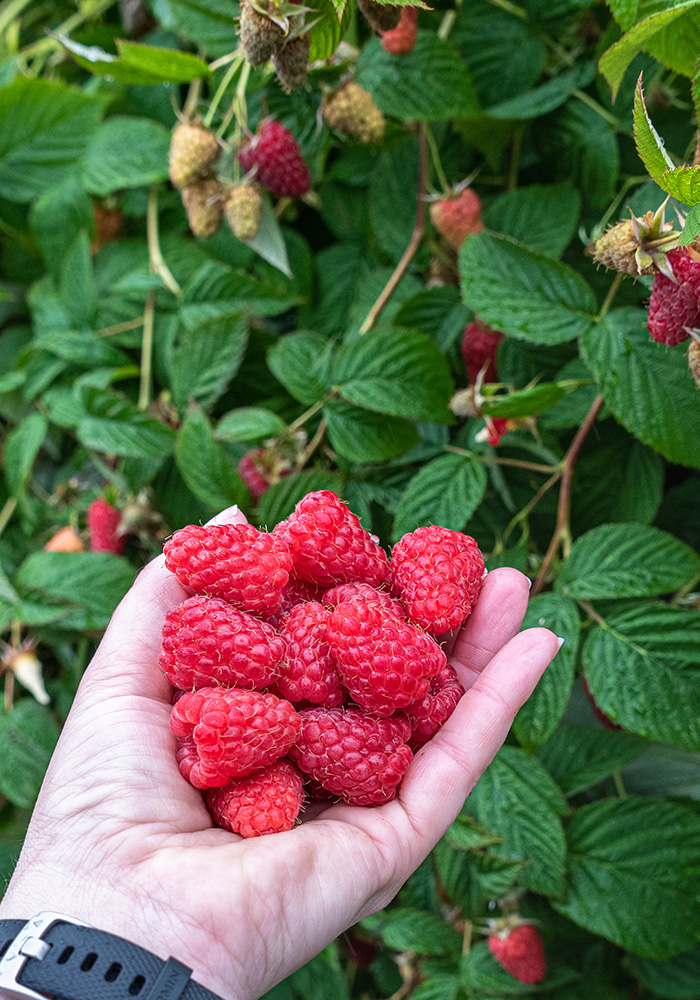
(69, 961)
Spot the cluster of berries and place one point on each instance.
(307, 662)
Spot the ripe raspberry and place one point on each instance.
(308, 671)
(399, 41)
(65, 540)
(236, 562)
(258, 34)
(495, 428)
(103, 522)
(349, 591)
(673, 307)
(329, 545)
(380, 16)
(437, 573)
(250, 472)
(243, 210)
(351, 755)
(384, 662)
(268, 801)
(455, 218)
(479, 348)
(519, 950)
(204, 206)
(206, 642)
(234, 733)
(291, 63)
(295, 592)
(281, 167)
(193, 151)
(429, 713)
(352, 110)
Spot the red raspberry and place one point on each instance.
(103, 522)
(268, 801)
(438, 574)
(519, 950)
(236, 562)
(455, 218)
(495, 427)
(234, 733)
(281, 167)
(673, 307)
(329, 545)
(427, 714)
(295, 592)
(308, 672)
(349, 591)
(206, 642)
(479, 348)
(399, 41)
(250, 473)
(384, 662)
(353, 756)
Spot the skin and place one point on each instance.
(120, 840)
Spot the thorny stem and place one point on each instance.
(147, 351)
(155, 257)
(435, 157)
(221, 90)
(416, 237)
(6, 513)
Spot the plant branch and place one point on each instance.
(306, 415)
(530, 506)
(110, 331)
(221, 90)
(155, 257)
(608, 301)
(147, 351)
(312, 446)
(6, 513)
(416, 237)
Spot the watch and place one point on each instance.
(55, 956)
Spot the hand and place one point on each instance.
(120, 840)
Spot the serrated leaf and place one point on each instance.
(332, 18)
(472, 880)
(268, 242)
(205, 465)
(300, 362)
(641, 667)
(445, 491)
(626, 560)
(650, 145)
(392, 197)
(543, 217)
(629, 861)
(169, 65)
(56, 219)
(28, 736)
(362, 436)
(131, 435)
(466, 834)
(646, 385)
(280, 500)
(542, 712)
(545, 98)
(250, 423)
(210, 24)
(674, 978)
(691, 229)
(93, 580)
(126, 153)
(21, 449)
(204, 359)
(578, 757)
(524, 293)
(524, 402)
(683, 183)
(414, 930)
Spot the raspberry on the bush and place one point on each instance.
(281, 167)
(267, 801)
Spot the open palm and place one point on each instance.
(119, 839)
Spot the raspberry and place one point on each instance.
(258, 34)
(349, 591)
(291, 63)
(636, 246)
(232, 733)
(455, 218)
(103, 522)
(329, 545)
(308, 672)
(250, 473)
(353, 756)
(673, 307)
(384, 662)
(479, 348)
(380, 16)
(247, 567)
(352, 110)
(281, 167)
(438, 574)
(193, 151)
(427, 714)
(268, 801)
(204, 207)
(243, 211)
(65, 540)
(295, 592)
(519, 950)
(399, 41)
(207, 642)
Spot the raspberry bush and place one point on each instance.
(418, 257)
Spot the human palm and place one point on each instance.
(119, 839)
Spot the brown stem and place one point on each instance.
(561, 530)
(416, 236)
(312, 446)
(591, 612)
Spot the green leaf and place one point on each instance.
(691, 229)
(210, 24)
(517, 800)
(126, 153)
(578, 757)
(445, 491)
(21, 449)
(446, 89)
(545, 98)
(675, 978)
(542, 712)
(392, 197)
(204, 360)
(44, 130)
(399, 372)
(28, 736)
(629, 861)
(205, 465)
(646, 385)
(524, 402)
(405, 929)
(279, 501)
(479, 970)
(77, 284)
(126, 431)
(626, 560)
(300, 362)
(268, 242)
(642, 670)
(466, 834)
(333, 17)
(136, 63)
(96, 581)
(362, 436)
(541, 217)
(650, 145)
(250, 423)
(683, 183)
(57, 217)
(524, 293)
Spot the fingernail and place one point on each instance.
(560, 642)
(529, 583)
(225, 515)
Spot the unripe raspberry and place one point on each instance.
(291, 63)
(193, 151)
(103, 525)
(380, 16)
(276, 154)
(258, 34)
(694, 360)
(352, 110)
(636, 246)
(65, 540)
(243, 210)
(458, 217)
(399, 41)
(204, 206)
(266, 802)
(480, 344)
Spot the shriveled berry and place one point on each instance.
(281, 167)
(291, 62)
(308, 672)
(457, 217)
(480, 344)
(267, 801)
(258, 34)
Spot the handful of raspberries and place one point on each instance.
(306, 663)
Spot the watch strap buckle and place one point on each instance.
(27, 946)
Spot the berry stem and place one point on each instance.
(221, 90)
(312, 446)
(619, 787)
(592, 613)
(529, 507)
(192, 99)
(6, 513)
(517, 463)
(511, 8)
(608, 301)
(514, 160)
(110, 331)
(437, 165)
(306, 415)
(9, 690)
(155, 257)
(147, 351)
